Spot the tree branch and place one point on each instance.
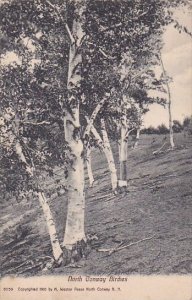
(93, 116)
(180, 27)
(96, 135)
(119, 247)
(128, 132)
(72, 40)
(105, 55)
(69, 34)
(105, 29)
(159, 150)
(36, 123)
(102, 52)
(19, 151)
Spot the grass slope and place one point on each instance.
(158, 205)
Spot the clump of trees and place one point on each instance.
(160, 129)
(187, 125)
(177, 126)
(83, 68)
(163, 129)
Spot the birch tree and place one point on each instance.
(47, 30)
(79, 43)
(171, 139)
(26, 154)
(74, 230)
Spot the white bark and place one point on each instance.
(169, 108)
(19, 151)
(109, 155)
(57, 251)
(74, 229)
(98, 139)
(137, 138)
(106, 148)
(92, 118)
(123, 153)
(89, 166)
(170, 119)
(170, 124)
(171, 137)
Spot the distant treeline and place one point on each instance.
(186, 126)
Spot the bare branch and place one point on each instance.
(159, 150)
(119, 247)
(70, 34)
(104, 54)
(36, 123)
(104, 29)
(53, 6)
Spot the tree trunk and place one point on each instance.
(169, 108)
(109, 155)
(137, 138)
(74, 229)
(57, 251)
(170, 122)
(123, 154)
(89, 166)
(106, 148)
(92, 118)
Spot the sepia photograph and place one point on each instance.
(95, 143)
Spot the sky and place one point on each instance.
(177, 59)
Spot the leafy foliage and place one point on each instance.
(119, 50)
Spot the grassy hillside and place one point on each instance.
(157, 206)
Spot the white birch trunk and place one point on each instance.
(98, 139)
(57, 251)
(137, 138)
(92, 118)
(109, 155)
(169, 108)
(74, 229)
(123, 154)
(170, 124)
(89, 166)
(106, 148)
